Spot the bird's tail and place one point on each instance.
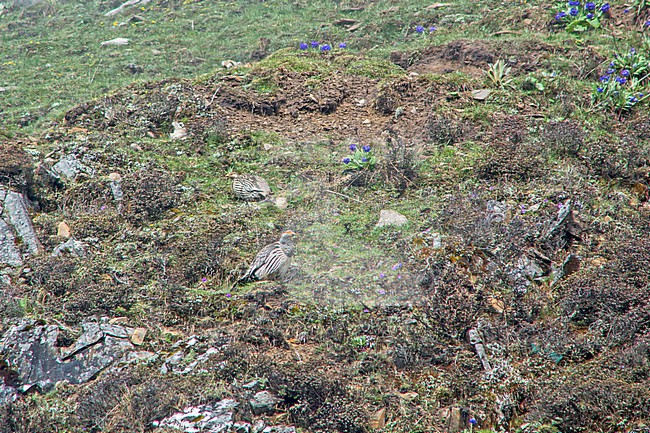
(243, 280)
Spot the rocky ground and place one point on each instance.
(510, 294)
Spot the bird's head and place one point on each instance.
(232, 174)
(287, 235)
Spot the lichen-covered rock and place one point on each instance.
(32, 351)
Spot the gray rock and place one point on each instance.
(8, 393)
(279, 429)
(30, 349)
(15, 213)
(116, 41)
(72, 247)
(242, 427)
(216, 418)
(70, 167)
(128, 3)
(9, 253)
(496, 211)
(390, 217)
(251, 385)
(263, 403)
(259, 426)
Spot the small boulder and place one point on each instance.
(391, 218)
(263, 402)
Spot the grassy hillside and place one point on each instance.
(521, 169)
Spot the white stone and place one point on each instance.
(391, 218)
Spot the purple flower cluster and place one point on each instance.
(574, 10)
(420, 29)
(324, 48)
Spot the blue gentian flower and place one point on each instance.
(599, 90)
(573, 12)
(343, 45)
(303, 46)
(325, 47)
(640, 95)
(432, 29)
(647, 24)
(590, 6)
(626, 11)
(604, 78)
(621, 80)
(346, 160)
(364, 159)
(605, 7)
(633, 99)
(632, 51)
(610, 71)
(574, 3)
(419, 29)
(590, 16)
(625, 73)
(473, 421)
(611, 64)
(366, 148)
(560, 15)
(314, 44)
(353, 147)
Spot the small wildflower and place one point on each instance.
(599, 90)
(632, 51)
(612, 64)
(633, 99)
(625, 73)
(382, 275)
(590, 6)
(204, 279)
(473, 421)
(640, 95)
(560, 15)
(303, 45)
(364, 159)
(590, 16)
(621, 80)
(604, 78)
(353, 147)
(346, 160)
(419, 29)
(605, 7)
(432, 29)
(626, 11)
(382, 292)
(314, 44)
(365, 310)
(574, 3)
(647, 24)
(343, 45)
(103, 207)
(399, 277)
(366, 148)
(228, 295)
(396, 266)
(325, 48)
(573, 12)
